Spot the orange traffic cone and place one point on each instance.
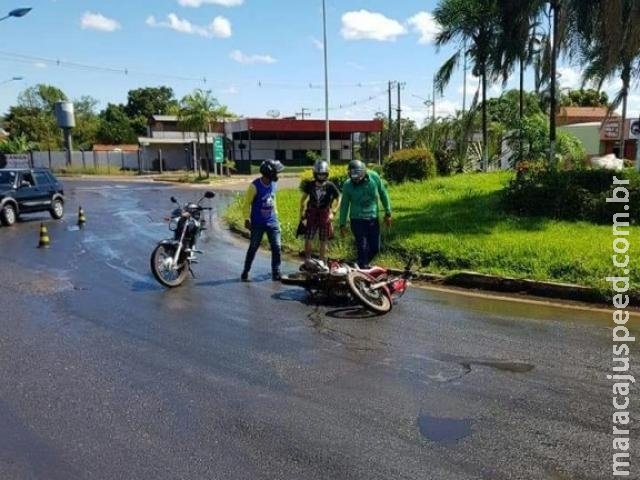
(44, 237)
(81, 218)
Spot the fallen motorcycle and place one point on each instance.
(376, 288)
(172, 258)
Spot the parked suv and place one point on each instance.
(27, 190)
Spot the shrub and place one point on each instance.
(337, 174)
(569, 194)
(445, 161)
(408, 165)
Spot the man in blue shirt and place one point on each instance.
(261, 216)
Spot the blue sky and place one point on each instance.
(256, 56)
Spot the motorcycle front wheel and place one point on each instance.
(378, 300)
(161, 263)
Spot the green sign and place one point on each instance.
(218, 150)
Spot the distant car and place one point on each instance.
(28, 190)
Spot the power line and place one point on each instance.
(96, 68)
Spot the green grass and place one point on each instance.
(97, 170)
(456, 223)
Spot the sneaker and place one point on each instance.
(245, 277)
(276, 276)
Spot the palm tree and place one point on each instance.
(198, 111)
(518, 43)
(606, 38)
(472, 24)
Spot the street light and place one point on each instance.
(17, 12)
(326, 84)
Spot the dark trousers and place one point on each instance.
(275, 241)
(367, 237)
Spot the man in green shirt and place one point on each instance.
(359, 203)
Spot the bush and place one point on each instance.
(412, 164)
(570, 194)
(445, 161)
(337, 174)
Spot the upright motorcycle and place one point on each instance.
(172, 258)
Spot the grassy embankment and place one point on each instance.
(456, 224)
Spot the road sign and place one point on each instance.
(218, 150)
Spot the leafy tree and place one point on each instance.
(16, 144)
(148, 101)
(115, 127)
(34, 118)
(142, 103)
(506, 108)
(584, 98)
(87, 122)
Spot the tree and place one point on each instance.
(150, 101)
(518, 43)
(142, 103)
(607, 38)
(115, 127)
(87, 122)
(584, 98)
(34, 118)
(199, 110)
(471, 23)
(16, 144)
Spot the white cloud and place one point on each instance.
(367, 25)
(220, 27)
(424, 24)
(199, 3)
(241, 57)
(97, 21)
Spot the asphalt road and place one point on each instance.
(107, 375)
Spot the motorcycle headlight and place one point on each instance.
(173, 224)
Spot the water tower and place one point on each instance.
(66, 121)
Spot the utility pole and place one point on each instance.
(464, 84)
(398, 110)
(433, 99)
(555, 5)
(302, 112)
(327, 140)
(390, 120)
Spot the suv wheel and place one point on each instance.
(8, 215)
(57, 209)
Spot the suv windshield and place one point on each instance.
(7, 177)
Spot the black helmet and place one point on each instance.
(271, 168)
(321, 170)
(356, 170)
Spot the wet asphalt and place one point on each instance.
(107, 375)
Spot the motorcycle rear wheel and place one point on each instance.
(160, 263)
(378, 300)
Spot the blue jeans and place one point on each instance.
(275, 241)
(367, 236)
